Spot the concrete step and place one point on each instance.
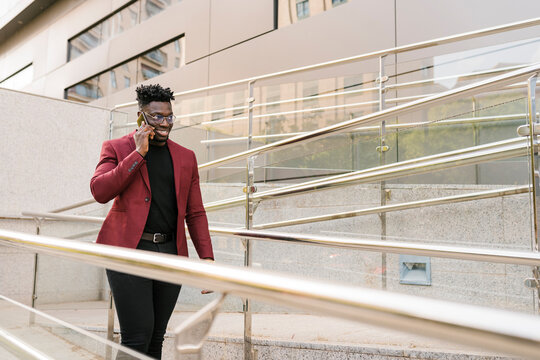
(287, 336)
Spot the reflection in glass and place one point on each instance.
(84, 42)
(302, 9)
(154, 7)
(125, 71)
(158, 56)
(85, 91)
(124, 19)
(104, 30)
(115, 24)
(113, 79)
(338, 2)
(51, 338)
(146, 66)
(156, 62)
(149, 72)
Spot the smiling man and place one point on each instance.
(155, 186)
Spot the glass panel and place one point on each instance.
(124, 121)
(302, 9)
(161, 60)
(104, 30)
(120, 77)
(85, 92)
(85, 42)
(124, 19)
(55, 339)
(154, 7)
(338, 2)
(458, 65)
(147, 66)
(501, 222)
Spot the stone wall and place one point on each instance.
(48, 156)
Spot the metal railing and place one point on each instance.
(467, 90)
(363, 130)
(380, 53)
(397, 247)
(496, 330)
(468, 156)
(375, 54)
(506, 149)
(27, 351)
(474, 155)
(20, 348)
(218, 121)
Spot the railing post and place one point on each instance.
(34, 280)
(382, 149)
(36, 261)
(249, 190)
(110, 310)
(190, 335)
(534, 173)
(111, 124)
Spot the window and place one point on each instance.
(302, 9)
(158, 56)
(113, 79)
(338, 2)
(149, 72)
(291, 11)
(85, 91)
(143, 67)
(153, 7)
(19, 79)
(114, 24)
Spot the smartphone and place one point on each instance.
(140, 120)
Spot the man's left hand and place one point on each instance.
(206, 291)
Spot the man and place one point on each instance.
(155, 186)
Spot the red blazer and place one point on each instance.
(122, 175)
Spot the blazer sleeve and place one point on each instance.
(196, 220)
(112, 175)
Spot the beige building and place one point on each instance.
(98, 50)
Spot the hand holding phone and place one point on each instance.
(142, 135)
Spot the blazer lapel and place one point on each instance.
(144, 168)
(177, 166)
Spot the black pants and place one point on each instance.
(144, 306)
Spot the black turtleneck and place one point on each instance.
(163, 209)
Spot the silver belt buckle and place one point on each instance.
(155, 241)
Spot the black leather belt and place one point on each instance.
(157, 238)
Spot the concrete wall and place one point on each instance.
(48, 159)
(499, 223)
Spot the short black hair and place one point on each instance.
(148, 93)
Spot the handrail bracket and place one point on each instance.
(190, 335)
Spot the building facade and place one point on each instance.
(98, 50)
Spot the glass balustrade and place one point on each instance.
(24, 332)
(216, 124)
